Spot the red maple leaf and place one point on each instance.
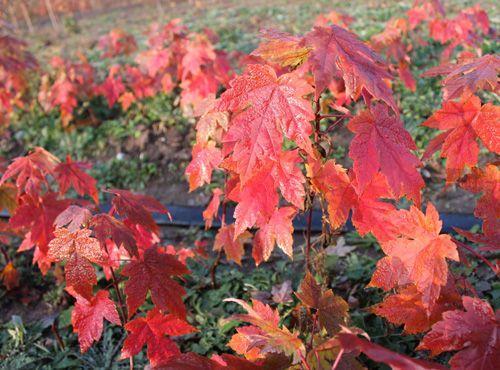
(78, 249)
(211, 124)
(9, 276)
(475, 333)
(267, 108)
(264, 335)
(137, 208)
(153, 272)
(206, 158)
(201, 69)
(112, 88)
(38, 215)
(8, 197)
(406, 308)
(370, 212)
(465, 78)
(30, 171)
(332, 310)
(232, 245)
(107, 227)
(382, 144)
(278, 230)
(464, 122)
(88, 315)
(71, 173)
(211, 211)
(254, 205)
(281, 48)
(418, 255)
(336, 51)
(153, 330)
(487, 182)
(289, 178)
(193, 361)
(199, 51)
(333, 183)
(73, 218)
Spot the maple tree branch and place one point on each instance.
(475, 253)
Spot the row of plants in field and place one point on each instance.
(266, 128)
(188, 64)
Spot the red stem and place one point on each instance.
(317, 119)
(5, 255)
(317, 131)
(308, 237)
(471, 250)
(123, 310)
(217, 259)
(335, 124)
(337, 360)
(214, 268)
(323, 116)
(54, 330)
(303, 360)
(313, 329)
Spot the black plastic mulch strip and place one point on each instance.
(191, 216)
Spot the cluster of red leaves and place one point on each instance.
(72, 231)
(391, 41)
(176, 59)
(243, 132)
(465, 119)
(465, 29)
(15, 63)
(117, 42)
(268, 139)
(263, 133)
(69, 84)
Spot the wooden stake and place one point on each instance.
(27, 17)
(52, 16)
(13, 17)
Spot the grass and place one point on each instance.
(34, 345)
